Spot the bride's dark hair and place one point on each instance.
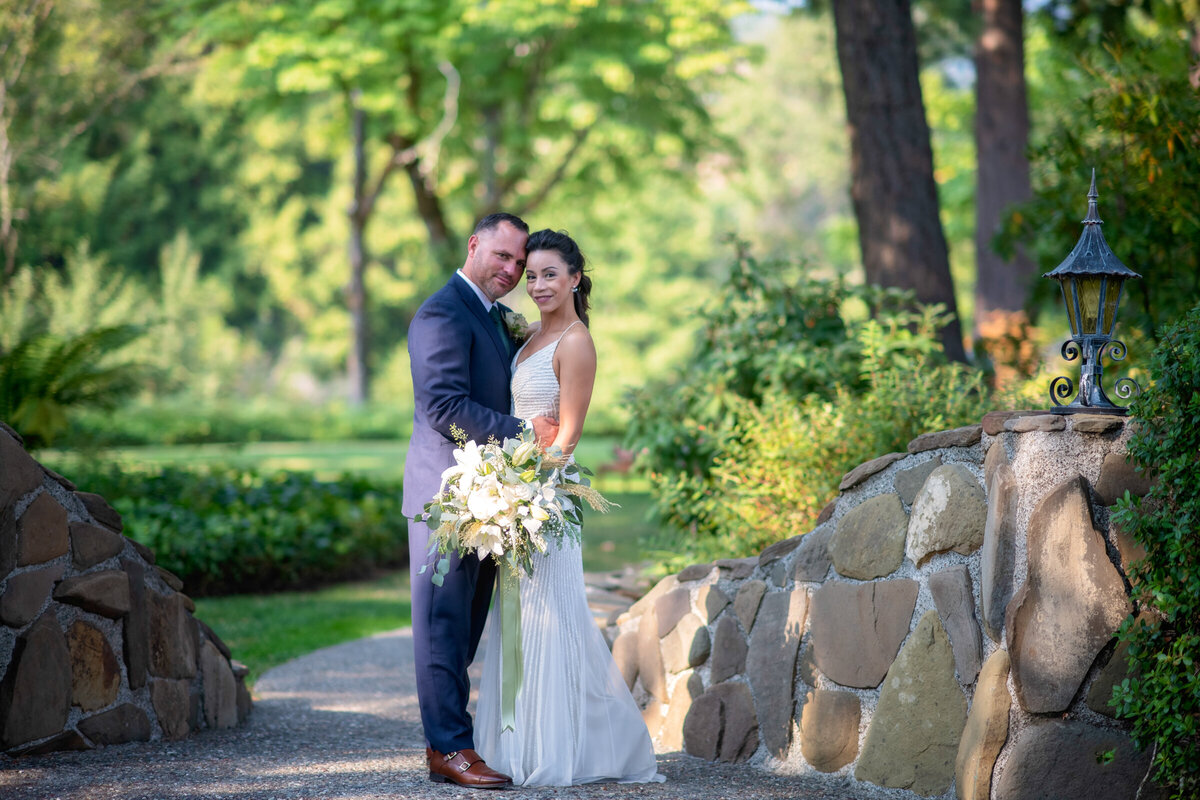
(566, 247)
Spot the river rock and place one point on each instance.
(1065, 760)
(778, 550)
(829, 729)
(649, 653)
(909, 481)
(1096, 423)
(913, 738)
(171, 705)
(1071, 605)
(172, 637)
(865, 470)
(712, 600)
(21, 473)
(26, 594)
(125, 723)
(137, 624)
(728, 651)
(220, 689)
(91, 545)
(625, 654)
(101, 511)
(35, 694)
(771, 665)
(105, 593)
(1115, 670)
(42, 532)
(986, 731)
(95, 671)
(948, 514)
(1036, 423)
(966, 436)
(993, 422)
(745, 604)
(721, 725)
(1117, 476)
(999, 552)
(869, 542)
(671, 735)
(647, 601)
(687, 645)
(670, 608)
(857, 628)
(952, 594)
(694, 573)
(737, 569)
(812, 560)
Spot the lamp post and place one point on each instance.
(1091, 278)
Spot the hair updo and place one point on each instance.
(566, 247)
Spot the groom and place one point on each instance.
(460, 354)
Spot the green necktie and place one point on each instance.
(498, 320)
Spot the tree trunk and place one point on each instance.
(356, 290)
(1001, 136)
(894, 194)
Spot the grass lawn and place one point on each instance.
(266, 630)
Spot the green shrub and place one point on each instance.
(788, 456)
(226, 531)
(1162, 696)
(793, 383)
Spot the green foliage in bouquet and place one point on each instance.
(227, 531)
(1162, 696)
(793, 384)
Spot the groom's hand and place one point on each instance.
(545, 429)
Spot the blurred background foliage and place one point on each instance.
(204, 171)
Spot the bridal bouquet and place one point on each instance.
(505, 501)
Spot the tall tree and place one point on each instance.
(486, 106)
(893, 189)
(63, 64)
(1001, 138)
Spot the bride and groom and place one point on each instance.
(576, 721)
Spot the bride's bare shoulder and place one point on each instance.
(577, 343)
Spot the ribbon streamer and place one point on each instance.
(513, 660)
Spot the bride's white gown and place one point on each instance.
(576, 721)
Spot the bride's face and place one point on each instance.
(548, 280)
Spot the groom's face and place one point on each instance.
(496, 259)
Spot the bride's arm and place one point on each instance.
(575, 366)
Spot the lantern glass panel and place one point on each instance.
(1089, 303)
(1068, 292)
(1112, 297)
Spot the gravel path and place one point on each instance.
(339, 723)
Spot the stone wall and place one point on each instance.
(97, 645)
(945, 631)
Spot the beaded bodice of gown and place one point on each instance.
(534, 385)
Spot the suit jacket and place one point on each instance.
(461, 371)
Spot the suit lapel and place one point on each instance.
(473, 305)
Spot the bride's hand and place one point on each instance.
(545, 429)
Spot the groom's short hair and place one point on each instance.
(492, 221)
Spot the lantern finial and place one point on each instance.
(1093, 215)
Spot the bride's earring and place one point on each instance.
(575, 290)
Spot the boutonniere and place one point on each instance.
(518, 326)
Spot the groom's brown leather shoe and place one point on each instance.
(465, 768)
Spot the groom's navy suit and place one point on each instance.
(461, 373)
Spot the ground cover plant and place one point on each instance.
(1161, 696)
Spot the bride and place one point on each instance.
(576, 721)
